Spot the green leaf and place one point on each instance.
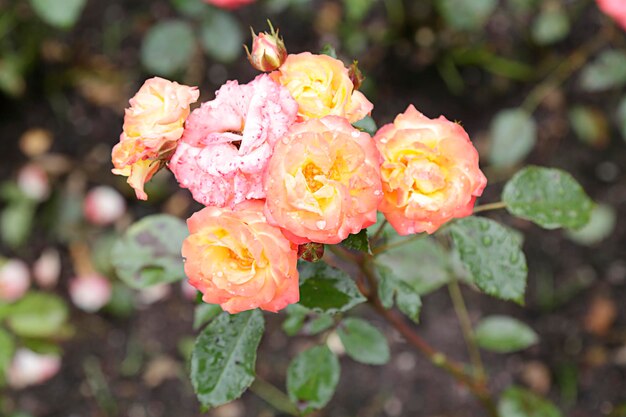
(168, 47)
(492, 255)
(391, 287)
(504, 334)
(224, 357)
(358, 242)
(60, 13)
(549, 197)
(37, 314)
(329, 50)
(466, 15)
(363, 342)
(12, 75)
(7, 348)
(221, 36)
(327, 290)
(513, 136)
(319, 324)
(204, 313)
(149, 253)
(296, 315)
(518, 402)
(607, 71)
(312, 378)
(191, 8)
(16, 222)
(551, 26)
(590, 125)
(600, 226)
(356, 10)
(408, 301)
(366, 124)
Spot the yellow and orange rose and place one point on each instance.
(321, 85)
(153, 124)
(430, 172)
(323, 181)
(239, 261)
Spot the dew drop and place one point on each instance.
(320, 224)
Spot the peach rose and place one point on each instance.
(323, 181)
(430, 172)
(237, 260)
(616, 9)
(229, 4)
(152, 127)
(321, 85)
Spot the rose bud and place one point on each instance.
(30, 368)
(90, 292)
(311, 252)
(268, 50)
(32, 180)
(355, 74)
(47, 269)
(103, 206)
(14, 280)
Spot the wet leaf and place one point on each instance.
(312, 378)
(37, 314)
(149, 253)
(493, 257)
(549, 197)
(62, 14)
(513, 136)
(363, 342)
(607, 71)
(504, 334)
(221, 36)
(327, 290)
(224, 357)
(552, 25)
(168, 47)
(392, 288)
(357, 241)
(518, 402)
(204, 313)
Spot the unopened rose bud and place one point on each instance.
(30, 368)
(355, 74)
(90, 292)
(14, 279)
(47, 269)
(311, 252)
(104, 205)
(33, 181)
(268, 50)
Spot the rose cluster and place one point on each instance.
(278, 164)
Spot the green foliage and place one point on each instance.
(513, 136)
(62, 14)
(16, 222)
(329, 50)
(391, 288)
(363, 342)
(466, 15)
(224, 357)
(504, 334)
(607, 71)
(366, 124)
(551, 26)
(356, 10)
(37, 314)
(600, 226)
(327, 290)
(168, 47)
(518, 402)
(493, 256)
(221, 36)
(590, 125)
(149, 251)
(358, 242)
(204, 313)
(7, 348)
(191, 8)
(312, 378)
(301, 319)
(549, 197)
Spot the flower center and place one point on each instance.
(310, 171)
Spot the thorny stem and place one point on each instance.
(273, 396)
(490, 206)
(367, 284)
(466, 327)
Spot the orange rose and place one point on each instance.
(321, 85)
(237, 260)
(430, 172)
(323, 181)
(152, 127)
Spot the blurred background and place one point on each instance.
(532, 81)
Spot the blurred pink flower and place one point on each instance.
(229, 4)
(30, 368)
(228, 141)
(103, 205)
(90, 292)
(33, 181)
(47, 269)
(14, 280)
(616, 9)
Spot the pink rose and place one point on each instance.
(47, 269)
(103, 205)
(616, 9)
(237, 260)
(90, 292)
(152, 126)
(228, 141)
(14, 280)
(229, 4)
(430, 172)
(323, 182)
(30, 368)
